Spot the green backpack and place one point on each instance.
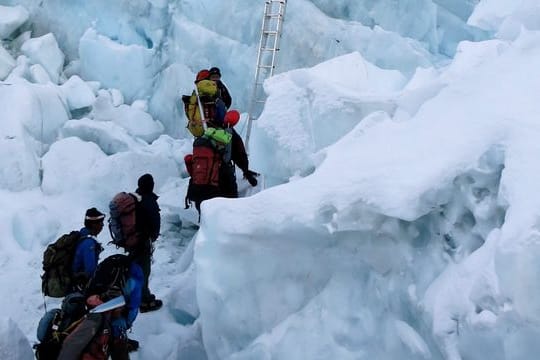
(222, 136)
(57, 278)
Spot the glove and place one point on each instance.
(250, 176)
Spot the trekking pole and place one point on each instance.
(203, 119)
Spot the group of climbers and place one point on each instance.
(217, 147)
(72, 269)
(103, 299)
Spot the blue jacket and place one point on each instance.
(132, 295)
(132, 292)
(87, 254)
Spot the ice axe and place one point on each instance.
(203, 119)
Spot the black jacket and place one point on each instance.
(148, 217)
(238, 156)
(224, 93)
(238, 152)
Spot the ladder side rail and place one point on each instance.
(274, 52)
(262, 40)
(278, 20)
(278, 27)
(257, 72)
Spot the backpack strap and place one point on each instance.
(137, 197)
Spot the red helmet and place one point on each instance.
(202, 75)
(231, 118)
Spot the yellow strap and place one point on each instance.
(56, 334)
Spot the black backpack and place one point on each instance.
(57, 279)
(110, 277)
(57, 324)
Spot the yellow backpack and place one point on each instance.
(208, 95)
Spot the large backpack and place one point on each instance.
(122, 220)
(206, 162)
(213, 107)
(57, 279)
(110, 277)
(57, 324)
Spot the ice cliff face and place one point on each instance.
(151, 49)
(398, 143)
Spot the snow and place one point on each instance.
(34, 227)
(11, 18)
(135, 120)
(412, 339)
(110, 137)
(129, 68)
(438, 24)
(78, 93)
(67, 162)
(397, 211)
(348, 86)
(7, 63)
(39, 75)
(14, 345)
(44, 50)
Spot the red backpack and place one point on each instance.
(122, 222)
(206, 161)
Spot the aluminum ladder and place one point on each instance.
(272, 26)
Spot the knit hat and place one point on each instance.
(215, 70)
(94, 214)
(146, 184)
(202, 75)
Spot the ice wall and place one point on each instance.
(439, 24)
(407, 238)
(348, 283)
(152, 49)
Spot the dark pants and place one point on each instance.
(227, 180)
(199, 193)
(119, 349)
(143, 257)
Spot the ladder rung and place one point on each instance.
(269, 49)
(266, 66)
(276, 1)
(274, 16)
(270, 32)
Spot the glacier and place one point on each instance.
(397, 212)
